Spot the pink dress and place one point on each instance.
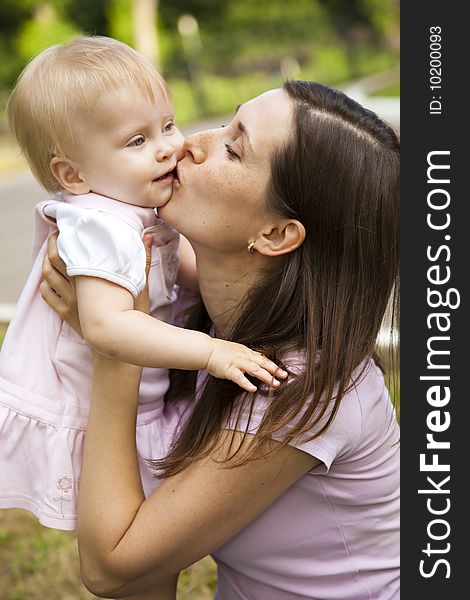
(45, 367)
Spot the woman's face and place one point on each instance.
(219, 201)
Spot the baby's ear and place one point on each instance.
(69, 176)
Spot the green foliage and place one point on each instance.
(88, 15)
(210, 13)
(389, 90)
(233, 33)
(241, 48)
(13, 14)
(119, 14)
(249, 35)
(383, 16)
(222, 93)
(39, 33)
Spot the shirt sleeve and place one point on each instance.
(335, 443)
(97, 244)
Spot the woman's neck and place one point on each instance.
(224, 282)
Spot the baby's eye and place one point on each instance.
(168, 127)
(138, 141)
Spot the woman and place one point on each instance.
(292, 211)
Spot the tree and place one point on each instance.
(144, 14)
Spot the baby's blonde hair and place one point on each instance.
(61, 85)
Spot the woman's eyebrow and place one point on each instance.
(243, 129)
(244, 132)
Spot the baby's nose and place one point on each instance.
(164, 151)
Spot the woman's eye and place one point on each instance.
(223, 125)
(231, 151)
(138, 141)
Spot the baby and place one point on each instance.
(95, 121)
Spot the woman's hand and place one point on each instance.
(142, 302)
(57, 289)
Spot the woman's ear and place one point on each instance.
(68, 175)
(282, 238)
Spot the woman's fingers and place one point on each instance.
(62, 301)
(53, 254)
(142, 302)
(58, 282)
(52, 298)
(148, 241)
(57, 290)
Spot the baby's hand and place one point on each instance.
(229, 360)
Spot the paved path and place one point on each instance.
(19, 193)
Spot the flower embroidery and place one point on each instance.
(64, 485)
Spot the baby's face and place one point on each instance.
(130, 148)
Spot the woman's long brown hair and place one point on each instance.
(339, 176)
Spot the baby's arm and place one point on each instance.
(113, 328)
(187, 272)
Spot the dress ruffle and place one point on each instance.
(50, 458)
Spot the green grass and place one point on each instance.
(38, 563)
(391, 90)
(3, 329)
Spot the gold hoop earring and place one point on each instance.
(251, 247)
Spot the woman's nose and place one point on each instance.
(195, 146)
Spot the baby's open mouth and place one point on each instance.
(171, 175)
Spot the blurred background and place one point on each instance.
(214, 54)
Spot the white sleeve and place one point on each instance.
(97, 244)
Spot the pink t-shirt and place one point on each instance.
(334, 534)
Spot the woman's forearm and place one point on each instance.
(110, 491)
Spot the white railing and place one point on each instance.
(6, 312)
